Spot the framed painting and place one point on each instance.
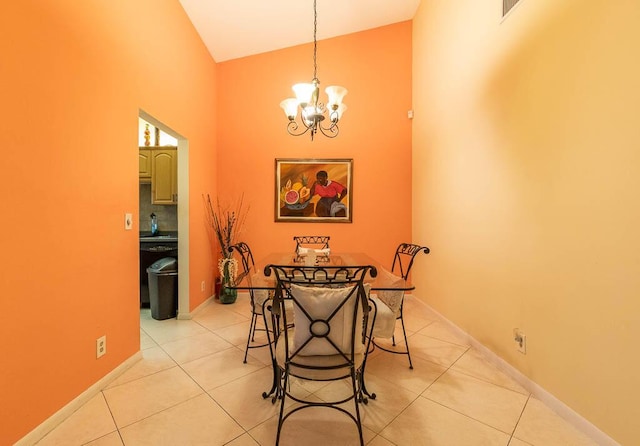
(314, 190)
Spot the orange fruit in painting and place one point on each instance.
(291, 197)
(296, 186)
(304, 194)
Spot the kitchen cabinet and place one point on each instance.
(164, 175)
(145, 165)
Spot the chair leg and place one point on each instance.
(252, 329)
(354, 384)
(406, 341)
(284, 397)
(276, 386)
(363, 387)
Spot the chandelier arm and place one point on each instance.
(333, 116)
(331, 131)
(292, 128)
(333, 123)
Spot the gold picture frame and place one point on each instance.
(314, 190)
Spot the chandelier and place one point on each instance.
(312, 111)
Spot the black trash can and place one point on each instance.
(163, 288)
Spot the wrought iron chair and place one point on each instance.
(328, 338)
(258, 297)
(305, 243)
(389, 304)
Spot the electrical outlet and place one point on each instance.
(128, 221)
(202, 286)
(521, 340)
(101, 346)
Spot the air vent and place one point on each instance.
(507, 5)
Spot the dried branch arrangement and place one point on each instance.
(227, 222)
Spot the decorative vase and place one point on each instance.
(147, 135)
(228, 295)
(228, 267)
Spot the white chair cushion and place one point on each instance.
(259, 296)
(321, 361)
(392, 298)
(385, 323)
(320, 302)
(302, 250)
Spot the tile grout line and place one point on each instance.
(519, 418)
(204, 391)
(479, 379)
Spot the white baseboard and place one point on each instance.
(537, 391)
(54, 420)
(182, 316)
(190, 315)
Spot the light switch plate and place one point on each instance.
(128, 221)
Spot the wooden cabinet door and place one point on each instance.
(145, 165)
(164, 176)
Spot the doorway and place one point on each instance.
(181, 209)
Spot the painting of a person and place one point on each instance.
(331, 194)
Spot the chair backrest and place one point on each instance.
(330, 311)
(304, 242)
(404, 257)
(246, 256)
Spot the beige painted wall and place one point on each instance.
(526, 186)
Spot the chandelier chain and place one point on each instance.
(315, 42)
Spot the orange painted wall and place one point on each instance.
(375, 66)
(73, 77)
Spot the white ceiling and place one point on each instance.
(236, 28)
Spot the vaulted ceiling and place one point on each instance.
(237, 28)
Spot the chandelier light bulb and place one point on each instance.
(335, 94)
(337, 114)
(303, 93)
(290, 107)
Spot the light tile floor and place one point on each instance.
(192, 388)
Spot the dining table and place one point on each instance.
(261, 279)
